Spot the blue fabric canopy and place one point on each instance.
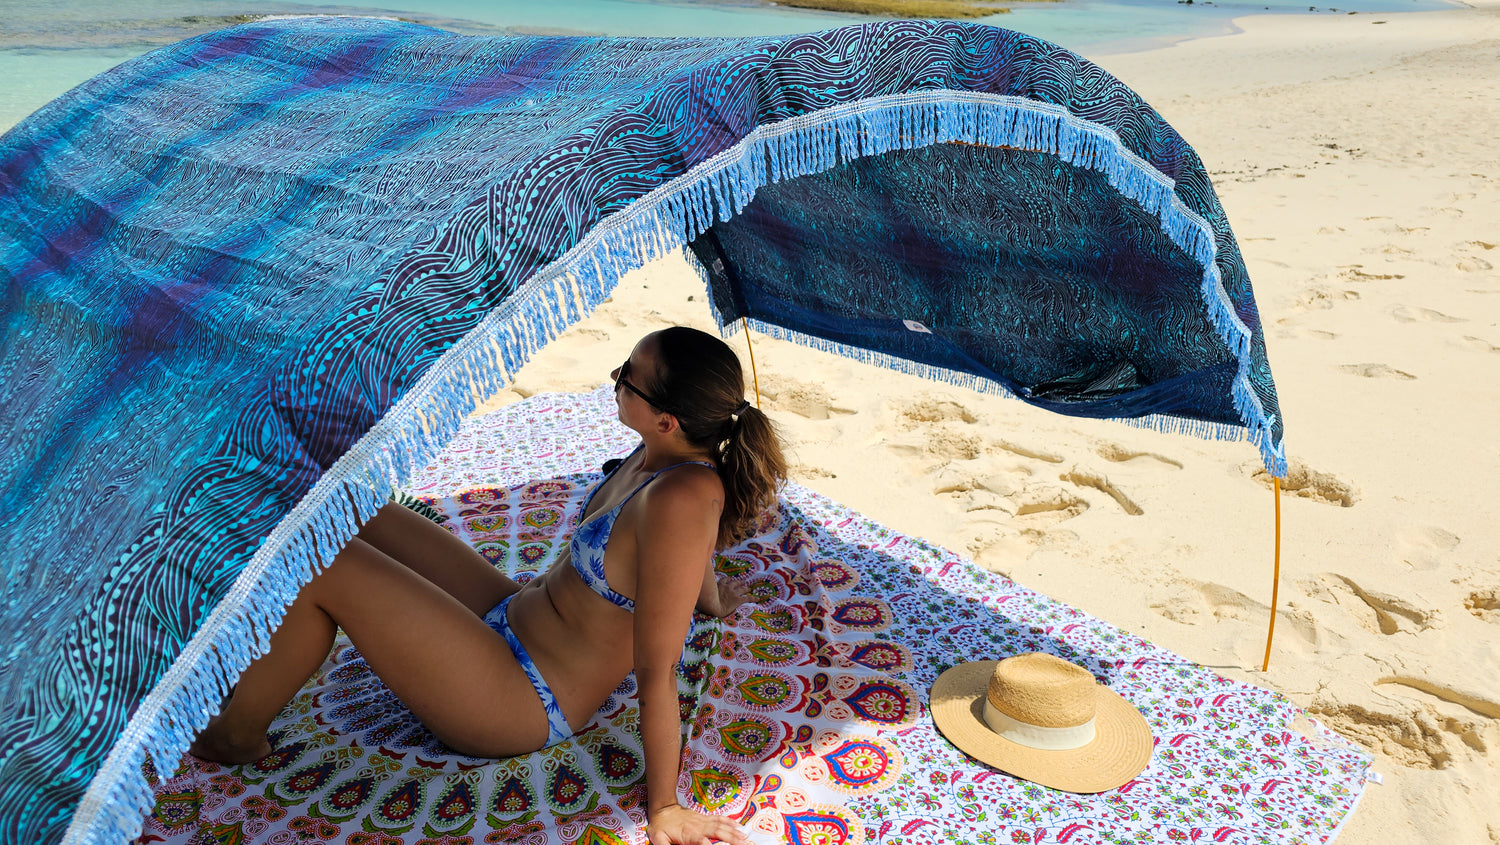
(253, 280)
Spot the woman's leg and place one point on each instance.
(455, 674)
(431, 551)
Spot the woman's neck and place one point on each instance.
(661, 452)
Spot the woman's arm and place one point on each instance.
(674, 535)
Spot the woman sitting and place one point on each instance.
(497, 669)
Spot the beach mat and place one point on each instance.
(804, 714)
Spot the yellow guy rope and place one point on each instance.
(1276, 578)
(753, 373)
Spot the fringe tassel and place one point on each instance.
(411, 433)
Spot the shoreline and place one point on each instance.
(42, 69)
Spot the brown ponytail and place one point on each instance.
(700, 379)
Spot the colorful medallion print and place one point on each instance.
(803, 715)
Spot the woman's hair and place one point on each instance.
(699, 379)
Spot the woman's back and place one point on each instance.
(583, 643)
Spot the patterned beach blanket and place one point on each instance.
(804, 714)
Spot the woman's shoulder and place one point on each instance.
(690, 486)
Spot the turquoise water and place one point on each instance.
(48, 47)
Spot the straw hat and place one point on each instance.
(1042, 719)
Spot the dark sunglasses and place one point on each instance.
(621, 380)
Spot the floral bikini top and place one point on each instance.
(592, 537)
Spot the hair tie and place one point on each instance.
(744, 406)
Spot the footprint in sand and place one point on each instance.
(955, 445)
(1304, 482)
(1193, 602)
(1481, 244)
(1035, 453)
(925, 410)
(969, 476)
(1086, 478)
(1115, 453)
(935, 430)
(1049, 503)
(1413, 728)
(1290, 333)
(803, 473)
(1375, 370)
(1425, 547)
(1376, 612)
(1354, 274)
(1008, 516)
(1484, 604)
(801, 398)
(982, 489)
(937, 447)
(1322, 299)
(1473, 264)
(1473, 702)
(999, 548)
(1411, 314)
(1478, 344)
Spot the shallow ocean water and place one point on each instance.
(49, 46)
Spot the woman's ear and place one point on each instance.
(666, 424)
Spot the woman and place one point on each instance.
(497, 669)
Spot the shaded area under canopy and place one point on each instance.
(1009, 265)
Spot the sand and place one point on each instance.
(1358, 161)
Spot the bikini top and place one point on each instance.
(592, 537)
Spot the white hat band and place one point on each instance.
(1036, 736)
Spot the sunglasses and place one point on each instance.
(621, 380)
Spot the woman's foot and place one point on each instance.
(220, 745)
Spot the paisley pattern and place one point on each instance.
(804, 735)
(255, 279)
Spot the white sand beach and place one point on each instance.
(1358, 160)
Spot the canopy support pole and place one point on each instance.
(1276, 577)
(748, 345)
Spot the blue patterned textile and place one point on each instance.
(253, 280)
(498, 618)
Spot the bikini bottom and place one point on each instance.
(557, 723)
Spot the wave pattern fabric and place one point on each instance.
(805, 714)
(253, 281)
(996, 255)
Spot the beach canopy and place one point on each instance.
(254, 281)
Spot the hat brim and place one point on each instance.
(1120, 750)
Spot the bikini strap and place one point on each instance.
(653, 476)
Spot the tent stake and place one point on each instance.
(748, 345)
(1276, 577)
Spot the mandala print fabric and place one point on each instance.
(254, 281)
(804, 714)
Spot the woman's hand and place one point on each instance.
(677, 825)
(726, 597)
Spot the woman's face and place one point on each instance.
(630, 379)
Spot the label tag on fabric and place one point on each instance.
(1374, 777)
(913, 325)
